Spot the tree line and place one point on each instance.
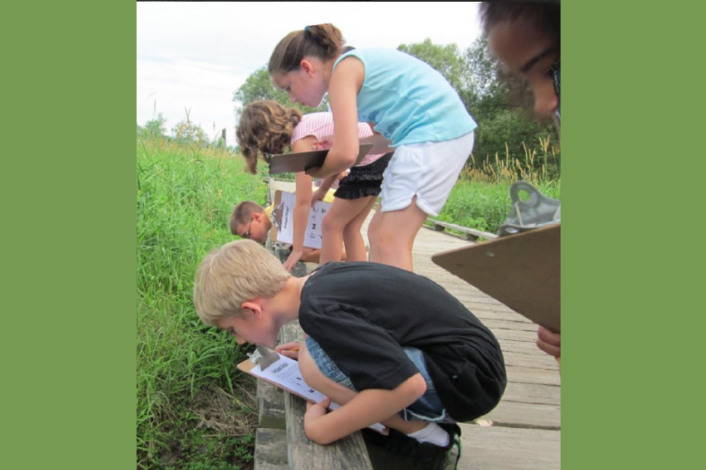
(499, 104)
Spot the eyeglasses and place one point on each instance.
(554, 71)
(247, 234)
(556, 77)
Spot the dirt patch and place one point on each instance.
(220, 411)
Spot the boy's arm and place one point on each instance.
(344, 85)
(368, 407)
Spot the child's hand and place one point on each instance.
(318, 195)
(342, 175)
(315, 411)
(549, 342)
(325, 143)
(294, 257)
(290, 350)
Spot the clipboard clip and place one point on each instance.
(276, 218)
(263, 356)
(536, 211)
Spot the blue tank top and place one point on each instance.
(407, 100)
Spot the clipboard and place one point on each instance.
(304, 391)
(522, 271)
(302, 161)
(314, 238)
(249, 367)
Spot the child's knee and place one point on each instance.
(331, 224)
(387, 240)
(351, 230)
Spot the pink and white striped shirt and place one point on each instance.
(321, 124)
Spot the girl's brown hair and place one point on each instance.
(265, 127)
(323, 41)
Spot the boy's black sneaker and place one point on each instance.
(416, 455)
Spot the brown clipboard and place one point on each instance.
(302, 161)
(522, 271)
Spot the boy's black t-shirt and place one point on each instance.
(362, 314)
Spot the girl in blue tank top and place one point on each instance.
(410, 107)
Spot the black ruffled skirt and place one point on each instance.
(363, 181)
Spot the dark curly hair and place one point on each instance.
(265, 127)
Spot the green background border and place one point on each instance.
(630, 269)
(68, 189)
(630, 173)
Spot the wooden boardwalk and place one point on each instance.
(523, 431)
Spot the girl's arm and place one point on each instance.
(344, 86)
(366, 408)
(326, 184)
(301, 206)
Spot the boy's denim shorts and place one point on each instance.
(427, 408)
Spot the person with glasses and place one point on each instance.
(252, 221)
(525, 38)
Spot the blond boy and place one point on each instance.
(415, 358)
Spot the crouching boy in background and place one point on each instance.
(252, 221)
(389, 345)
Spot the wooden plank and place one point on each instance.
(303, 454)
(520, 374)
(531, 361)
(458, 228)
(525, 415)
(494, 448)
(271, 449)
(541, 394)
(270, 404)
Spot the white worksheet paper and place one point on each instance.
(285, 372)
(312, 236)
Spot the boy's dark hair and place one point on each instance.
(323, 41)
(545, 15)
(242, 213)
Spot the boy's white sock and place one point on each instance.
(432, 433)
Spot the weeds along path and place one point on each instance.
(193, 406)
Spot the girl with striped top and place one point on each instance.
(268, 127)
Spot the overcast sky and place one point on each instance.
(194, 55)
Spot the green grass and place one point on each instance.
(194, 409)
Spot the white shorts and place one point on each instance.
(428, 170)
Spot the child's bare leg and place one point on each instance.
(352, 236)
(342, 212)
(374, 232)
(310, 255)
(398, 229)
